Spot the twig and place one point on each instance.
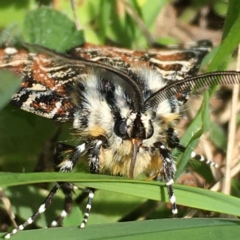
(7, 204)
(231, 136)
(73, 5)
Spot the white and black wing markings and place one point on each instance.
(48, 77)
(46, 83)
(175, 63)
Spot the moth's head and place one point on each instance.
(134, 126)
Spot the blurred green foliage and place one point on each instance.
(22, 135)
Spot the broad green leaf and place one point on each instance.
(20, 137)
(187, 196)
(220, 7)
(170, 229)
(52, 29)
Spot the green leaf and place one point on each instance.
(218, 136)
(187, 196)
(151, 10)
(9, 83)
(231, 38)
(13, 11)
(170, 229)
(191, 136)
(232, 16)
(52, 29)
(104, 18)
(21, 137)
(220, 7)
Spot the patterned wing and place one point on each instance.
(47, 82)
(48, 77)
(173, 63)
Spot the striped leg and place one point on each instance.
(68, 164)
(59, 154)
(68, 190)
(94, 154)
(88, 208)
(65, 166)
(168, 174)
(201, 158)
(198, 157)
(173, 142)
(40, 210)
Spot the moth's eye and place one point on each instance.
(121, 129)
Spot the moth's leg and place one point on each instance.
(68, 190)
(174, 143)
(60, 152)
(201, 158)
(88, 207)
(40, 210)
(63, 164)
(94, 154)
(168, 174)
(67, 165)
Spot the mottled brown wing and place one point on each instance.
(48, 77)
(173, 63)
(47, 82)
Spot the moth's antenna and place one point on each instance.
(190, 84)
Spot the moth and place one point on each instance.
(124, 106)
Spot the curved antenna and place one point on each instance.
(190, 84)
(123, 79)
